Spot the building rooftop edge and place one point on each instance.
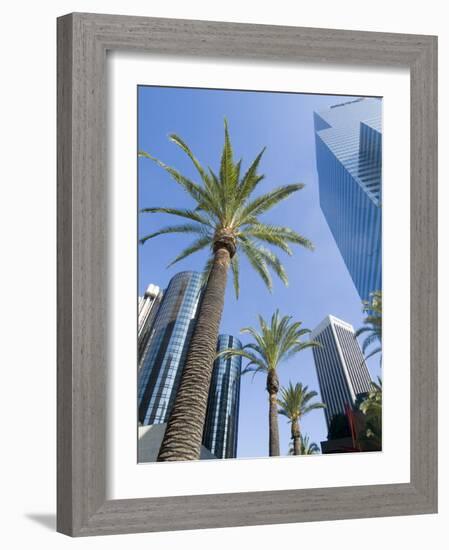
(226, 335)
(327, 321)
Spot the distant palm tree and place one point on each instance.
(308, 447)
(295, 403)
(225, 218)
(273, 343)
(373, 323)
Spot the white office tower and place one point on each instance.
(148, 306)
(341, 367)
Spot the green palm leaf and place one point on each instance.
(185, 228)
(199, 244)
(373, 324)
(266, 202)
(235, 274)
(181, 212)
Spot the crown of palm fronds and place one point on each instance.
(273, 342)
(373, 323)
(294, 401)
(227, 215)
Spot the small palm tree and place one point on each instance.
(273, 343)
(373, 323)
(295, 403)
(226, 220)
(308, 447)
(371, 406)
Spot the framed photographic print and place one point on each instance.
(246, 274)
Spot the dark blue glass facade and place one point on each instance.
(221, 427)
(164, 357)
(349, 162)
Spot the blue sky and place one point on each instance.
(319, 281)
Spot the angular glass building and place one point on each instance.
(148, 307)
(163, 359)
(348, 139)
(341, 367)
(221, 426)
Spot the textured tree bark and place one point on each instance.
(296, 436)
(183, 436)
(272, 389)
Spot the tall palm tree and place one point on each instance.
(373, 323)
(295, 403)
(225, 218)
(273, 343)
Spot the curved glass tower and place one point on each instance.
(164, 357)
(222, 419)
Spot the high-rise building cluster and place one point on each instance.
(166, 323)
(348, 138)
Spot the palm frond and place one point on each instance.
(183, 145)
(275, 234)
(372, 323)
(362, 330)
(257, 262)
(181, 212)
(235, 274)
(371, 338)
(250, 179)
(197, 245)
(184, 228)
(193, 189)
(254, 370)
(374, 352)
(268, 200)
(273, 262)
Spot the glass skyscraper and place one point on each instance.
(148, 307)
(341, 367)
(221, 426)
(348, 139)
(163, 359)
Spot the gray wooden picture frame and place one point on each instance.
(83, 40)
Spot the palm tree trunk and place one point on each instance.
(296, 436)
(273, 388)
(183, 436)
